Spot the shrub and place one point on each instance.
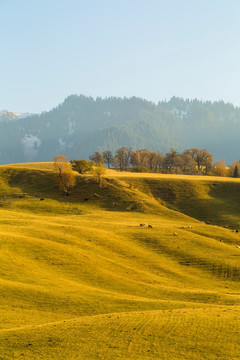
(81, 166)
(141, 169)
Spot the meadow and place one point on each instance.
(81, 279)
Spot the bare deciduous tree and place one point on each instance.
(122, 158)
(97, 158)
(60, 163)
(108, 157)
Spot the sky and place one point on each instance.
(153, 49)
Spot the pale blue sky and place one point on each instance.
(153, 49)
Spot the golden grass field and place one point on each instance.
(80, 279)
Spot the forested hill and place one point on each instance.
(81, 125)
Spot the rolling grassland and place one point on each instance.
(80, 279)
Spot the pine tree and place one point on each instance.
(236, 172)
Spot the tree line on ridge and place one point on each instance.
(191, 161)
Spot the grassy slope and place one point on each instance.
(80, 279)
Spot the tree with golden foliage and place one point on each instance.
(98, 173)
(219, 169)
(65, 177)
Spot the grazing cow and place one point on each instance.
(143, 224)
(190, 227)
(175, 234)
(150, 226)
(237, 246)
(183, 227)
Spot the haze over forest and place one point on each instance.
(81, 125)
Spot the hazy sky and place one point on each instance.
(148, 48)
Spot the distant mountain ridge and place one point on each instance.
(81, 125)
(8, 116)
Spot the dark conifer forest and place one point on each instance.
(82, 125)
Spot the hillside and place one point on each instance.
(81, 125)
(80, 279)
